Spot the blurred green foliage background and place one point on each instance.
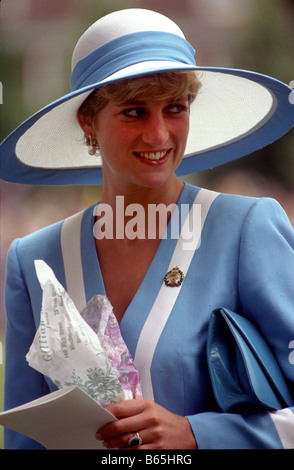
(38, 37)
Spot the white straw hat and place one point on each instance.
(235, 113)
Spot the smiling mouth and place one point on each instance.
(151, 155)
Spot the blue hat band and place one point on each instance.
(129, 50)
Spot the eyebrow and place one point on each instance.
(131, 103)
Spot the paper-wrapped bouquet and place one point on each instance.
(84, 349)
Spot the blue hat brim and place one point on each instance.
(278, 122)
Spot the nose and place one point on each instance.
(155, 131)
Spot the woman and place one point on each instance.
(151, 114)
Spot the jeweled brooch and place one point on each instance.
(174, 277)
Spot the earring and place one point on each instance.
(93, 145)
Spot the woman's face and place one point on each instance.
(142, 142)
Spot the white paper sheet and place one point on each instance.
(66, 419)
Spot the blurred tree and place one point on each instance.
(266, 45)
(268, 41)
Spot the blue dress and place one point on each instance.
(242, 259)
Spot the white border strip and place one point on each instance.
(284, 423)
(167, 297)
(71, 253)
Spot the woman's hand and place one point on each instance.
(157, 427)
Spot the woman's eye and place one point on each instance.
(139, 112)
(134, 112)
(177, 108)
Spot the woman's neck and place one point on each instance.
(166, 194)
(136, 209)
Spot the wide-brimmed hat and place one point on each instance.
(235, 113)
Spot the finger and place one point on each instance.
(126, 408)
(124, 441)
(119, 427)
(130, 414)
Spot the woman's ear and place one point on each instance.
(85, 123)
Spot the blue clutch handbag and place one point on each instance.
(244, 373)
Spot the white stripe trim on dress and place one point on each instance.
(72, 261)
(167, 296)
(284, 423)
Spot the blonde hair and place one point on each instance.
(163, 85)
